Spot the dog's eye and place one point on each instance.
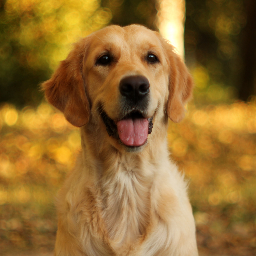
(152, 58)
(104, 60)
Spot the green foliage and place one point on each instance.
(128, 12)
(212, 38)
(35, 35)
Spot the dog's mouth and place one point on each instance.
(132, 130)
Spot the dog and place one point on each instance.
(125, 196)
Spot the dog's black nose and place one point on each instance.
(134, 88)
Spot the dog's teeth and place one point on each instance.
(150, 125)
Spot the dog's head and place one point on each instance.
(126, 78)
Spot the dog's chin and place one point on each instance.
(131, 131)
(133, 149)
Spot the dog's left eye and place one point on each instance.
(152, 58)
(104, 60)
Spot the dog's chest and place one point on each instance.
(126, 207)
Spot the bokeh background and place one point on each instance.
(215, 145)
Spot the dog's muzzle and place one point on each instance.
(133, 127)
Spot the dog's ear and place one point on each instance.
(180, 85)
(66, 88)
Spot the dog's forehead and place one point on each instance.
(140, 33)
(131, 36)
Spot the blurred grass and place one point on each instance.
(214, 145)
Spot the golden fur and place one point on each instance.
(117, 200)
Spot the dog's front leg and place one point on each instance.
(69, 244)
(66, 244)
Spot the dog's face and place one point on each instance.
(127, 81)
(123, 79)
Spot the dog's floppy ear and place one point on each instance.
(66, 88)
(180, 85)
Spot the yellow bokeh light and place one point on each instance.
(74, 139)
(58, 122)
(7, 169)
(201, 218)
(3, 197)
(63, 155)
(35, 152)
(201, 77)
(226, 136)
(22, 195)
(200, 117)
(246, 162)
(234, 197)
(11, 117)
(179, 147)
(44, 110)
(214, 198)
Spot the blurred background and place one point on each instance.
(215, 145)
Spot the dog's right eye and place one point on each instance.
(152, 58)
(104, 60)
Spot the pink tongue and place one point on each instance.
(133, 132)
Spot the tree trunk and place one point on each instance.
(170, 21)
(248, 54)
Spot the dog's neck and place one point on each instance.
(98, 151)
(124, 181)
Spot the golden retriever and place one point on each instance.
(125, 196)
